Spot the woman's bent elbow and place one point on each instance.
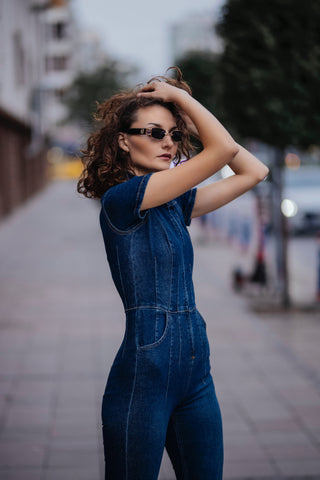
(233, 149)
(259, 175)
(264, 171)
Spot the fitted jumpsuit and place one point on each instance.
(160, 393)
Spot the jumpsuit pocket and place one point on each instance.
(152, 326)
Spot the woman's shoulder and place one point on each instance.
(131, 185)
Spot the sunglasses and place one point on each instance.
(158, 133)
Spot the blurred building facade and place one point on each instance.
(195, 33)
(58, 67)
(90, 54)
(36, 67)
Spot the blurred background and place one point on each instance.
(256, 66)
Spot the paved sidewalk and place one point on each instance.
(61, 323)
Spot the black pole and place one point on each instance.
(280, 231)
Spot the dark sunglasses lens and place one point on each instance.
(176, 136)
(158, 133)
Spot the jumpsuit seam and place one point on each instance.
(170, 358)
(131, 229)
(178, 285)
(129, 411)
(183, 269)
(178, 227)
(192, 358)
(203, 347)
(125, 341)
(156, 295)
(179, 341)
(120, 275)
(139, 196)
(155, 279)
(172, 255)
(158, 307)
(132, 252)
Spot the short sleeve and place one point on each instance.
(186, 202)
(121, 204)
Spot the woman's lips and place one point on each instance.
(165, 156)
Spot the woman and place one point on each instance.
(160, 392)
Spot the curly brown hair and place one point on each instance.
(105, 163)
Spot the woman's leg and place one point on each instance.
(133, 447)
(194, 438)
(136, 407)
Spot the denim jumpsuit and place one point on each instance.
(159, 392)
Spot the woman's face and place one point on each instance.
(149, 154)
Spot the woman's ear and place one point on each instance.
(122, 142)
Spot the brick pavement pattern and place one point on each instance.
(61, 322)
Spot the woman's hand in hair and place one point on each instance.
(169, 93)
(163, 91)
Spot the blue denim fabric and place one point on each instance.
(160, 393)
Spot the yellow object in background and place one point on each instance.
(70, 169)
(63, 167)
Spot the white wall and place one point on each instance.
(18, 57)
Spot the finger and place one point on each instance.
(150, 87)
(147, 94)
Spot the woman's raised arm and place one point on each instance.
(219, 148)
(248, 172)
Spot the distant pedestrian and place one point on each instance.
(160, 392)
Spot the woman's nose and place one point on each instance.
(167, 139)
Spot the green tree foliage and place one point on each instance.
(201, 71)
(270, 69)
(88, 88)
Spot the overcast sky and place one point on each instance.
(139, 30)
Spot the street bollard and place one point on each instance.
(259, 274)
(245, 235)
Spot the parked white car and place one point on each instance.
(301, 199)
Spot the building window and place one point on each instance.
(18, 59)
(56, 63)
(59, 94)
(57, 31)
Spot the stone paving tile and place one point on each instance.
(288, 424)
(285, 438)
(24, 421)
(23, 436)
(5, 394)
(74, 473)
(247, 440)
(37, 393)
(73, 430)
(71, 458)
(10, 364)
(21, 454)
(293, 452)
(299, 467)
(249, 469)
(316, 435)
(40, 363)
(21, 474)
(242, 453)
(166, 470)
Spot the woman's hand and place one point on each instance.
(163, 91)
(169, 93)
